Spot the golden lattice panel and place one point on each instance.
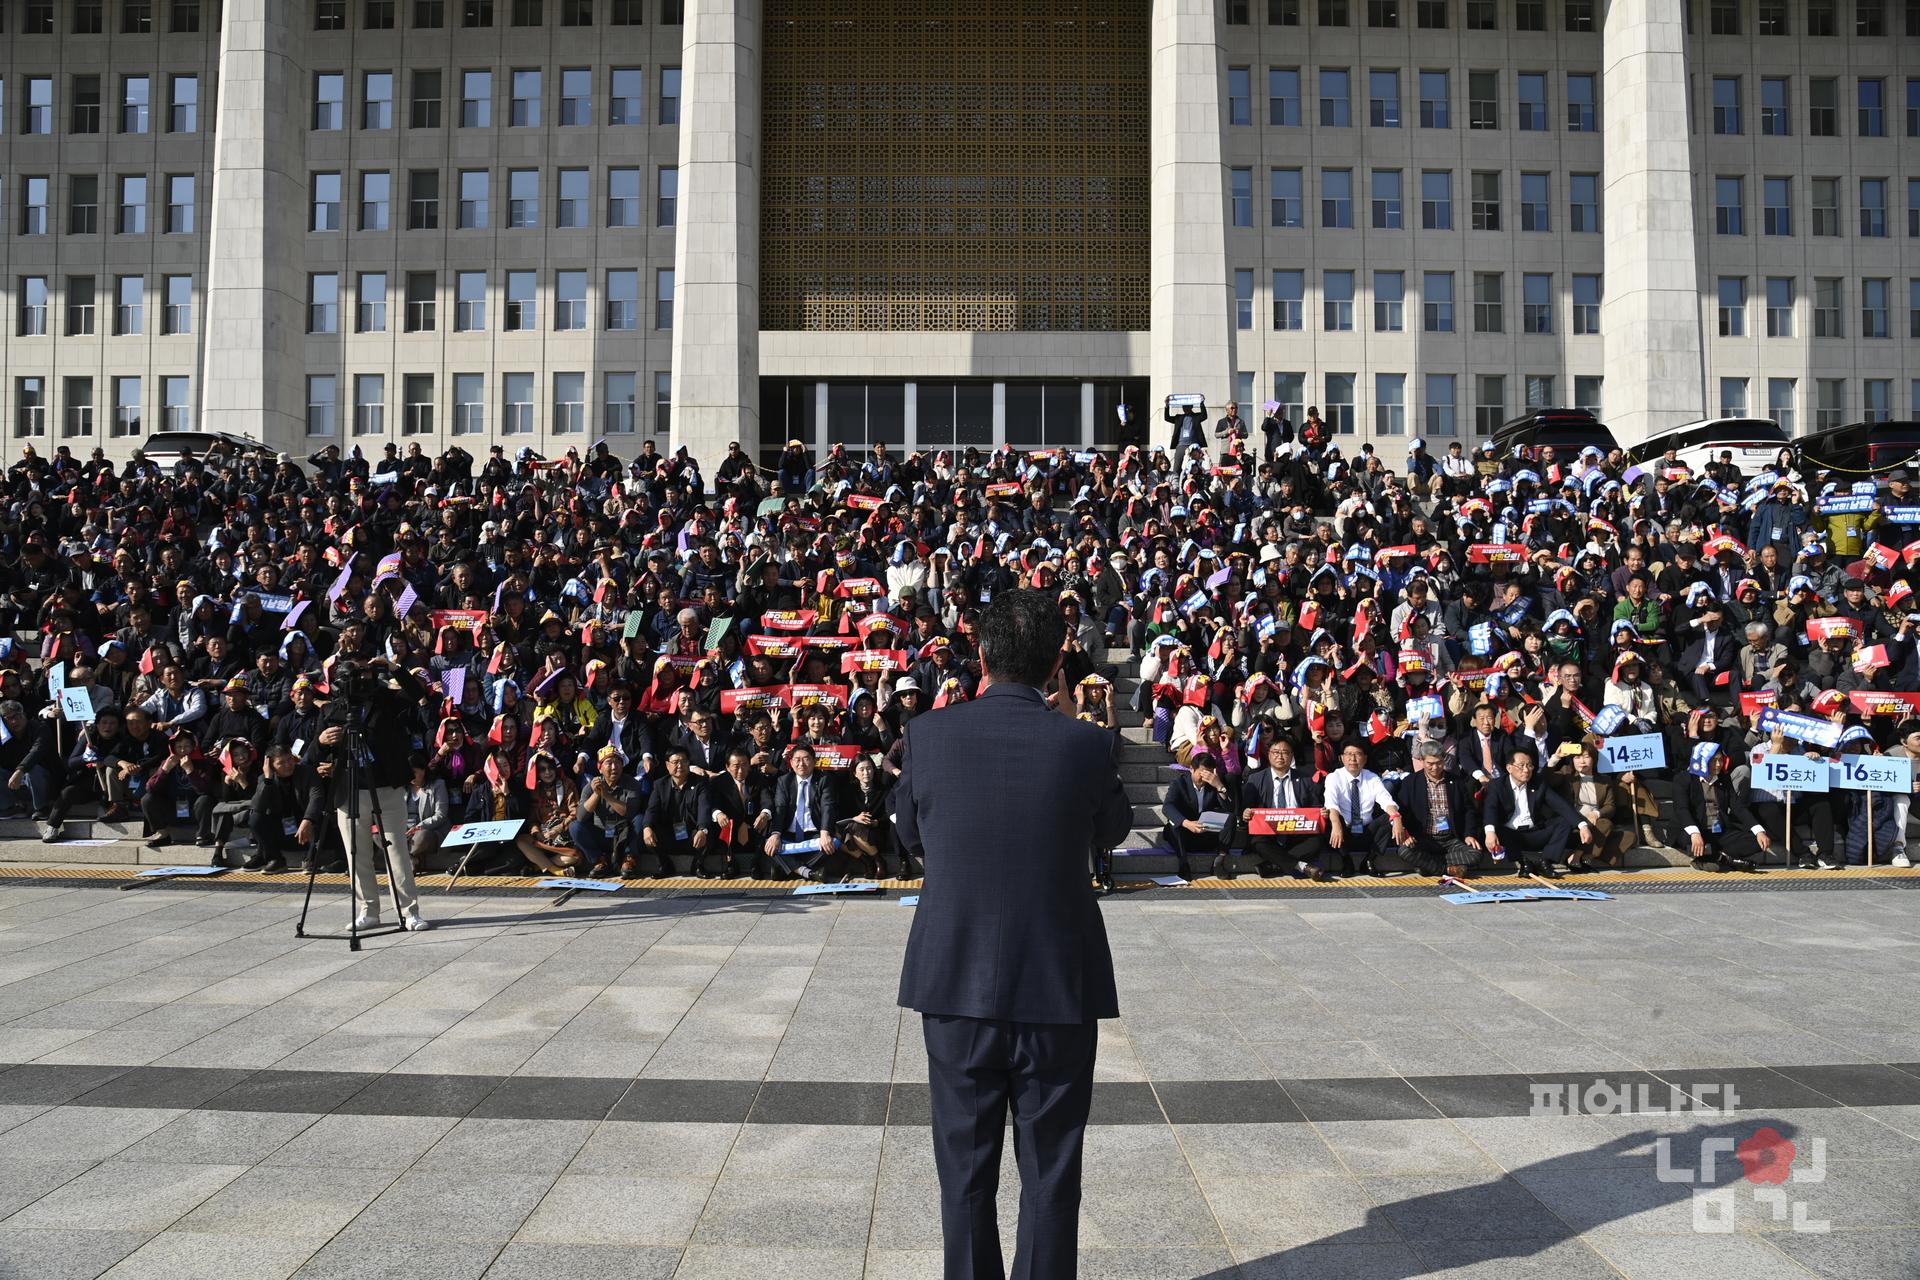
(955, 164)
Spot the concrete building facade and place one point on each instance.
(542, 222)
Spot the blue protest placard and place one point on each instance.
(809, 890)
(1526, 895)
(1873, 773)
(1844, 506)
(1638, 751)
(146, 872)
(1790, 773)
(482, 832)
(1425, 707)
(911, 900)
(1900, 515)
(568, 882)
(1821, 733)
(56, 678)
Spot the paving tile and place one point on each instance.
(819, 1102)
(710, 1263)
(1226, 1102)
(1852, 1255)
(1356, 1099)
(583, 1262)
(1855, 1085)
(64, 1254)
(49, 1085)
(374, 1255)
(408, 1094)
(1506, 1094)
(1177, 1216)
(1462, 1207)
(805, 1151)
(269, 1201)
(181, 1255)
(687, 1101)
(1129, 1153)
(1331, 1262)
(911, 1103)
(1120, 1102)
(317, 1092)
(82, 1133)
(520, 1146)
(220, 1137)
(1370, 1147)
(24, 1181)
(794, 1212)
(551, 1098)
(126, 1197)
(1264, 1214)
(657, 1149)
(363, 1142)
(460, 1205)
(182, 1087)
(614, 1210)
(1741, 1255)
(1221, 1152)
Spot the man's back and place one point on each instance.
(1004, 799)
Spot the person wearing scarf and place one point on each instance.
(1712, 821)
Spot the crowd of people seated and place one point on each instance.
(672, 666)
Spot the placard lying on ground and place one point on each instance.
(1526, 895)
(808, 890)
(175, 871)
(568, 882)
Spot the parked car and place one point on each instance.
(1754, 443)
(1567, 430)
(164, 448)
(1863, 448)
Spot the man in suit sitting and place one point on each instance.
(1523, 816)
(1189, 795)
(672, 824)
(1280, 785)
(1005, 801)
(1711, 656)
(804, 811)
(1438, 814)
(1481, 752)
(741, 814)
(1362, 815)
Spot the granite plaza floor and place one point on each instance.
(1324, 1085)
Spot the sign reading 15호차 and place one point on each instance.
(1790, 773)
(1638, 751)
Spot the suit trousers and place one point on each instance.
(978, 1068)
(1537, 843)
(364, 859)
(1285, 853)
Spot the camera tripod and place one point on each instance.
(349, 761)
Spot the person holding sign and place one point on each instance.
(1527, 819)
(1712, 821)
(1604, 802)
(1281, 785)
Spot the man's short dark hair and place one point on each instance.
(1021, 634)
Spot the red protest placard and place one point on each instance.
(773, 646)
(1820, 630)
(1751, 703)
(836, 756)
(788, 619)
(862, 502)
(1004, 489)
(734, 701)
(860, 588)
(1874, 703)
(1496, 553)
(873, 660)
(826, 695)
(458, 619)
(827, 644)
(1286, 822)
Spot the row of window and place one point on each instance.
(1823, 106)
(431, 15)
(519, 300)
(1780, 295)
(1438, 414)
(89, 17)
(1387, 201)
(77, 405)
(132, 197)
(1436, 301)
(133, 106)
(525, 101)
(82, 303)
(473, 208)
(517, 406)
(1724, 17)
(1830, 401)
(1532, 113)
(1777, 206)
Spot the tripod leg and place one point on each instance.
(313, 870)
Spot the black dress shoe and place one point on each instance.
(1186, 869)
(1708, 864)
(1220, 871)
(1268, 870)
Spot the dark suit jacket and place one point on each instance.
(1005, 801)
(721, 795)
(1259, 791)
(1411, 796)
(1466, 751)
(1543, 802)
(670, 807)
(823, 803)
(1690, 808)
(1184, 801)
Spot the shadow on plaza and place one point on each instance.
(1527, 1211)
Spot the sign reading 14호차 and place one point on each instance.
(1790, 773)
(1639, 751)
(1873, 773)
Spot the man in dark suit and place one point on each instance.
(1437, 810)
(673, 822)
(1525, 818)
(804, 811)
(1710, 656)
(1008, 962)
(1283, 785)
(741, 814)
(1191, 794)
(1481, 752)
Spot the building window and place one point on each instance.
(476, 99)
(1489, 302)
(1823, 107)
(476, 13)
(569, 404)
(1828, 299)
(1733, 306)
(1873, 207)
(626, 96)
(1435, 100)
(83, 204)
(429, 15)
(1913, 311)
(330, 15)
(1726, 104)
(470, 302)
(1386, 203)
(469, 404)
(416, 390)
(1529, 15)
(136, 103)
(1780, 403)
(1283, 13)
(79, 407)
(133, 205)
(1913, 87)
(1287, 198)
(576, 13)
(1441, 412)
(136, 17)
(1339, 398)
(376, 200)
(1586, 304)
(1539, 391)
(522, 303)
(176, 403)
(569, 300)
(183, 105)
(1779, 306)
(422, 301)
(329, 101)
(523, 198)
(1337, 301)
(1730, 206)
(1436, 299)
(1390, 404)
(1486, 200)
(628, 13)
(1776, 212)
(1483, 15)
(1289, 300)
(130, 305)
(1583, 202)
(1336, 98)
(79, 306)
(33, 206)
(33, 307)
(1830, 402)
(1586, 394)
(473, 199)
(370, 404)
(1776, 107)
(323, 303)
(623, 300)
(1242, 298)
(1332, 13)
(663, 402)
(1826, 206)
(1383, 13)
(1733, 397)
(376, 103)
(30, 408)
(663, 299)
(38, 118)
(326, 202)
(1383, 99)
(1490, 403)
(377, 15)
(575, 199)
(1389, 301)
(1876, 399)
(1336, 198)
(323, 405)
(423, 199)
(1283, 97)
(669, 95)
(1770, 18)
(1536, 303)
(623, 197)
(1436, 200)
(1535, 208)
(576, 97)
(1290, 393)
(1239, 95)
(1723, 17)
(1583, 114)
(1874, 319)
(529, 13)
(1483, 100)
(423, 111)
(85, 114)
(667, 198)
(1873, 108)
(370, 313)
(1533, 102)
(177, 318)
(523, 107)
(1240, 195)
(622, 390)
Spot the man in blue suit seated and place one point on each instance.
(1005, 801)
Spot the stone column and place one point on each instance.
(716, 257)
(252, 373)
(1192, 341)
(1651, 317)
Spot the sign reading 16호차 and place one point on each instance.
(1638, 751)
(1873, 773)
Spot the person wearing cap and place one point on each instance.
(1712, 822)
(611, 808)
